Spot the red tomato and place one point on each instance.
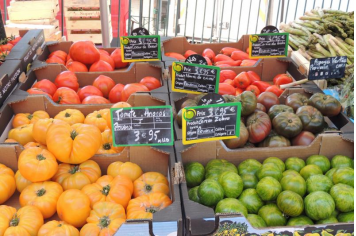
(76, 66)
(55, 59)
(116, 56)
(282, 79)
(226, 89)
(239, 55)
(209, 53)
(115, 93)
(222, 57)
(227, 74)
(261, 85)
(238, 91)
(248, 62)
(6, 47)
(104, 84)
(38, 91)
(71, 60)
(223, 65)
(84, 52)
(229, 81)
(231, 63)
(66, 96)
(242, 81)
(108, 59)
(254, 89)
(101, 66)
(14, 40)
(132, 88)
(188, 53)
(95, 100)
(46, 86)
(253, 76)
(101, 51)
(228, 50)
(274, 89)
(67, 79)
(175, 55)
(68, 57)
(208, 61)
(88, 90)
(150, 82)
(59, 53)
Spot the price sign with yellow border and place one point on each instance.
(140, 48)
(211, 122)
(268, 45)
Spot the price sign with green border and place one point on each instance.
(268, 45)
(140, 48)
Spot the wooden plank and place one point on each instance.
(13, 29)
(33, 5)
(54, 37)
(32, 15)
(96, 38)
(81, 13)
(81, 3)
(83, 24)
(35, 22)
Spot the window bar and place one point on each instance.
(202, 32)
(296, 7)
(248, 18)
(167, 16)
(212, 22)
(322, 4)
(331, 3)
(279, 5)
(221, 20)
(177, 18)
(195, 14)
(149, 16)
(314, 4)
(141, 13)
(282, 10)
(62, 15)
(258, 14)
(186, 17)
(268, 12)
(347, 7)
(159, 14)
(287, 8)
(129, 26)
(339, 5)
(238, 27)
(305, 6)
(232, 8)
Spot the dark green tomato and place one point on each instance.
(261, 107)
(229, 98)
(275, 141)
(312, 119)
(287, 124)
(258, 125)
(296, 100)
(188, 103)
(326, 104)
(276, 109)
(248, 102)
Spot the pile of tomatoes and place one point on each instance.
(227, 57)
(65, 89)
(83, 56)
(6, 46)
(233, 84)
(55, 175)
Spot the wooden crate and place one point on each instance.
(14, 29)
(57, 36)
(82, 3)
(42, 5)
(93, 35)
(23, 14)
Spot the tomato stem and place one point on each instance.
(67, 114)
(30, 117)
(151, 210)
(73, 134)
(106, 146)
(41, 192)
(74, 169)
(104, 222)
(106, 190)
(14, 221)
(148, 188)
(98, 116)
(40, 157)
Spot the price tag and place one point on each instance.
(140, 31)
(211, 98)
(211, 122)
(268, 45)
(140, 48)
(327, 68)
(142, 126)
(196, 59)
(194, 78)
(269, 29)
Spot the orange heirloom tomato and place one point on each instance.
(33, 144)
(73, 207)
(40, 129)
(97, 118)
(21, 182)
(71, 116)
(107, 146)
(144, 206)
(27, 118)
(116, 105)
(151, 182)
(129, 169)
(77, 176)
(75, 144)
(26, 221)
(9, 140)
(37, 164)
(22, 134)
(7, 184)
(109, 189)
(105, 219)
(42, 195)
(58, 228)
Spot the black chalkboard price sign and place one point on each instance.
(142, 126)
(140, 48)
(195, 78)
(211, 98)
(196, 59)
(211, 122)
(327, 68)
(269, 29)
(268, 45)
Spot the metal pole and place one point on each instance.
(305, 6)
(238, 26)
(62, 16)
(279, 5)
(296, 7)
(314, 4)
(212, 22)
(118, 25)
(104, 18)
(177, 18)
(282, 10)
(269, 10)
(159, 14)
(2, 28)
(258, 14)
(339, 5)
(186, 17)
(5, 12)
(232, 8)
(167, 17)
(347, 7)
(149, 17)
(331, 3)
(202, 32)
(322, 4)
(129, 21)
(195, 15)
(287, 11)
(141, 13)
(248, 18)
(221, 20)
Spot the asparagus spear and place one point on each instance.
(339, 29)
(320, 39)
(322, 50)
(331, 50)
(344, 45)
(302, 51)
(291, 30)
(294, 25)
(341, 45)
(315, 54)
(338, 12)
(312, 18)
(349, 41)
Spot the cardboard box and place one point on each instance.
(267, 70)
(165, 222)
(27, 48)
(10, 72)
(133, 74)
(201, 220)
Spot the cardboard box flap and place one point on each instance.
(18, 96)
